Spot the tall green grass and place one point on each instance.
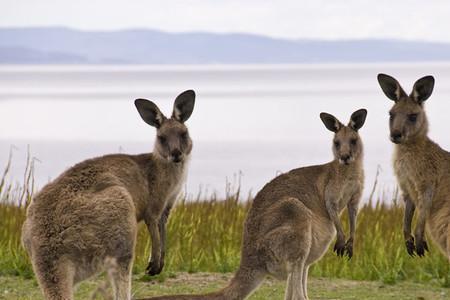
(205, 235)
(14, 199)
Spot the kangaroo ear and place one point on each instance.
(183, 106)
(391, 87)
(331, 123)
(423, 88)
(149, 112)
(357, 119)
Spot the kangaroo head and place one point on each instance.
(173, 142)
(347, 145)
(407, 117)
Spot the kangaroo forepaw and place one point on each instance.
(410, 247)
(340, 248)
(349, 249)
(421, 247)
(153, 268)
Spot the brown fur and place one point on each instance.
(294, 218)
(421, 166)
(88, 216)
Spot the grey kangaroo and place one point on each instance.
(294, 218)
(89, 214)
(421, 166)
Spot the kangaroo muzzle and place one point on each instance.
(176, 156)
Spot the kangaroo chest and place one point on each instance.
(404, 172)
(347, 190)
(411, 172)
(343, 188)
(175, 185)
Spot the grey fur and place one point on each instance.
(422, 169)
(89, 214)
(293, 220)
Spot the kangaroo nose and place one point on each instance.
(176, 155)
(396, 137)
(345, 158)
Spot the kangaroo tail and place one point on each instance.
(243, 283)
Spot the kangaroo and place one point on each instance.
(89, 214)
(422, 167)
(294, 218)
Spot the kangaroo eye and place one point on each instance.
(184, 135)
(337, 144)
(162, 139)
(353, 142)
(391, 116)
(412, 118)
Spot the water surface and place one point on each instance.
(251, 122)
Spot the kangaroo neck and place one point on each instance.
(414, 145)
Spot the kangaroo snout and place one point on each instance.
(345, 159)
(396, 137)
(176, 156)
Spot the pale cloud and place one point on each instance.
(324, 19)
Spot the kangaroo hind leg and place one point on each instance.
(448, 242)
(294, 288)
(54, 277)
(288, 244)
(119, 274)
(305, 281)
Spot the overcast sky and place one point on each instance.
(323, 19)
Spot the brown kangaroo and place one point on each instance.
(422, 167)
(294, 218)
(89, 214)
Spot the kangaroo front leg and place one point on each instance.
(333, 212)
(407, 220)
(352, 208)
(424, 207)
(154, 267)
(162, 234)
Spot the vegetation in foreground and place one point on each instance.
(15, 288)
(204, 235)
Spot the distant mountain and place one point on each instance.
(54, 45)
(21, 55)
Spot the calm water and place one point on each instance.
(251, 122)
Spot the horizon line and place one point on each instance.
(228, 33)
